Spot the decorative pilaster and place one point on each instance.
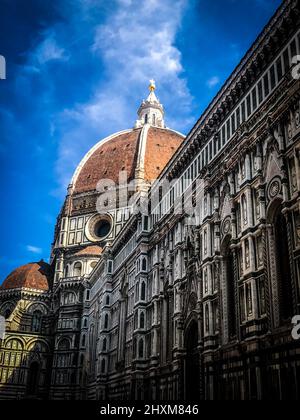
(224, 305)
(290, 233)
(266, 278)
(273, 276)
(236, 296)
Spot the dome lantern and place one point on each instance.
(151, 111)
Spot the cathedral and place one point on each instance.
(175, 268)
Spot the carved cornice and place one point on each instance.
(253, 64)
(256, 130)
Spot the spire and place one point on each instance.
(151, 111)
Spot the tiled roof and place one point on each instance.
(31, 276)
(161, 146)
(120, 154)
(90, 250)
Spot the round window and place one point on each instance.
(99, 227)
(102, 228)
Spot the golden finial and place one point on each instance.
(152, 85)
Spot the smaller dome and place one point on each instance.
(90, 251)
(36, 276)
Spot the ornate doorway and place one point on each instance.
(192, 363)
(33, 379)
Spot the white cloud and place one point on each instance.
(135, 44)
(49, 50)
(34, 249)
(139, 41)
(212, 82)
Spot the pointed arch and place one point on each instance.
(143, 291)
(36, 321)
(77, 269)
(64, 344)
(142, 320)
(106, 320)
(104, 344)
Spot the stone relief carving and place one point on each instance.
(226, 226)
(274, 188)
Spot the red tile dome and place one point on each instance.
(122, 152)
(36, 276)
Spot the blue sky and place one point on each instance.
(77, 71)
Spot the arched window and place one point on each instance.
(67, 271)
(107, 300)
(104, 344)
(245, 210)
(103, 366)
(207, 319)
(144, 264)
(77, 269)
(36, 321)
(153, 119)
(81, 360)
(64, 344)
(143, 291)
(141, 348)
(146, 119)
(85, 323)
(106, 321)
(142, 320)
(14, 344)
(93, 264)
